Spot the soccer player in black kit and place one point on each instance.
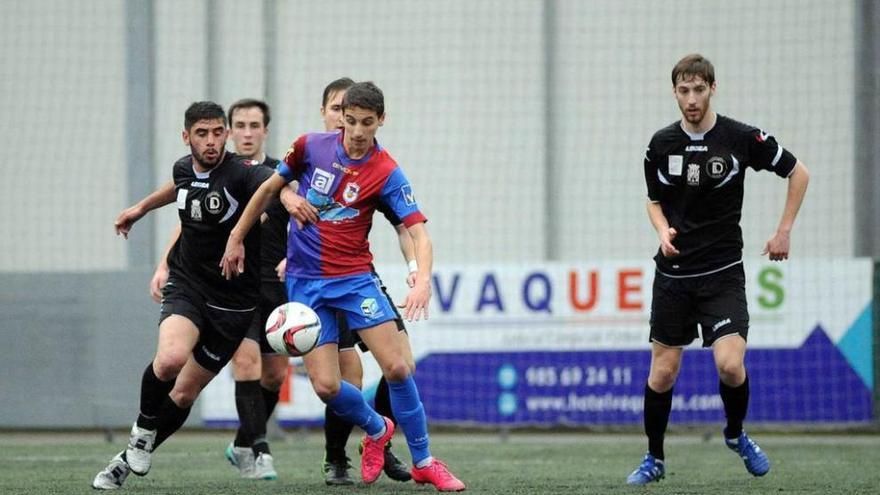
(695, 170)
(204, 316)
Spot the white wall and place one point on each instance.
(62, 96)
(464, 85)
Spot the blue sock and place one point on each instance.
(349, 405)
(407, 406)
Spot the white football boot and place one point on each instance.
(264, 468)
(242, 458)
(139, 451)
(112, 476)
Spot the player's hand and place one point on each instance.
(157, 282)
(777, 246)
(126, 219)
(666, 247)
(298, 208)
(232, 263)
(411, 280)
(416, 303)
(281, 269)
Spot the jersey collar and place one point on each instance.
(699, 136)
(343, 156)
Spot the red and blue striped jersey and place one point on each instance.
(346, 193)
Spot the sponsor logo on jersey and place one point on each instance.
(695, 147)
(345, 170)
(322, 181)
(200, 185)
(693, 174)
(181, 199)
(351, 192)
(716, 167)
(370, 308)
(408, 197)
(675, 162)
(195, 210)
(213, 202)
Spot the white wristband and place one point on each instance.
(413, 266)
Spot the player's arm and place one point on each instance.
(404, 241)
(408, 250)
(665, 233)
(232, 262)
(416, 303)
(298, 207)
(778, 245)
(160, 276)
(157, 199)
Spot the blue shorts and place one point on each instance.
(357, 298)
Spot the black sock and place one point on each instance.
(657, 408)
(252, 416)
(171, 418)
(383, 400)
(153, 393)
(336, 433)
(736, 404)
(270, 399)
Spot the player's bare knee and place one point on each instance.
(272, 379)
(184, 396)
(246, 365)
(167, 365)
(326, 389)
(662, 378)
(396, 371)
(731, 372)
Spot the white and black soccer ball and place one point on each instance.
(293, 329)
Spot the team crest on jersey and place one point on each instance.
(195, 210)
(693, 174)
(289, 154)
(350, 195)
(213, 202)
(322, 181)
(716, 167)
(370, 308)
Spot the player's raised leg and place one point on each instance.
(384, 342)
(729, 352)
(345, 399)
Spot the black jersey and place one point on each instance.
(273, 247)
(698, 181)
(209, 205)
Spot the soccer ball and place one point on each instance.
(293, 329)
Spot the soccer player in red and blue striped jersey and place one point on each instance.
(345, 177)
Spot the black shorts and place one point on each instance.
(716, 302)
(348, 339)
(220, 329)
(272, 295)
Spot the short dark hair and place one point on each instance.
(202, 110)
(251, 103)
(340, 84)
(693, 65)
(365, 95)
